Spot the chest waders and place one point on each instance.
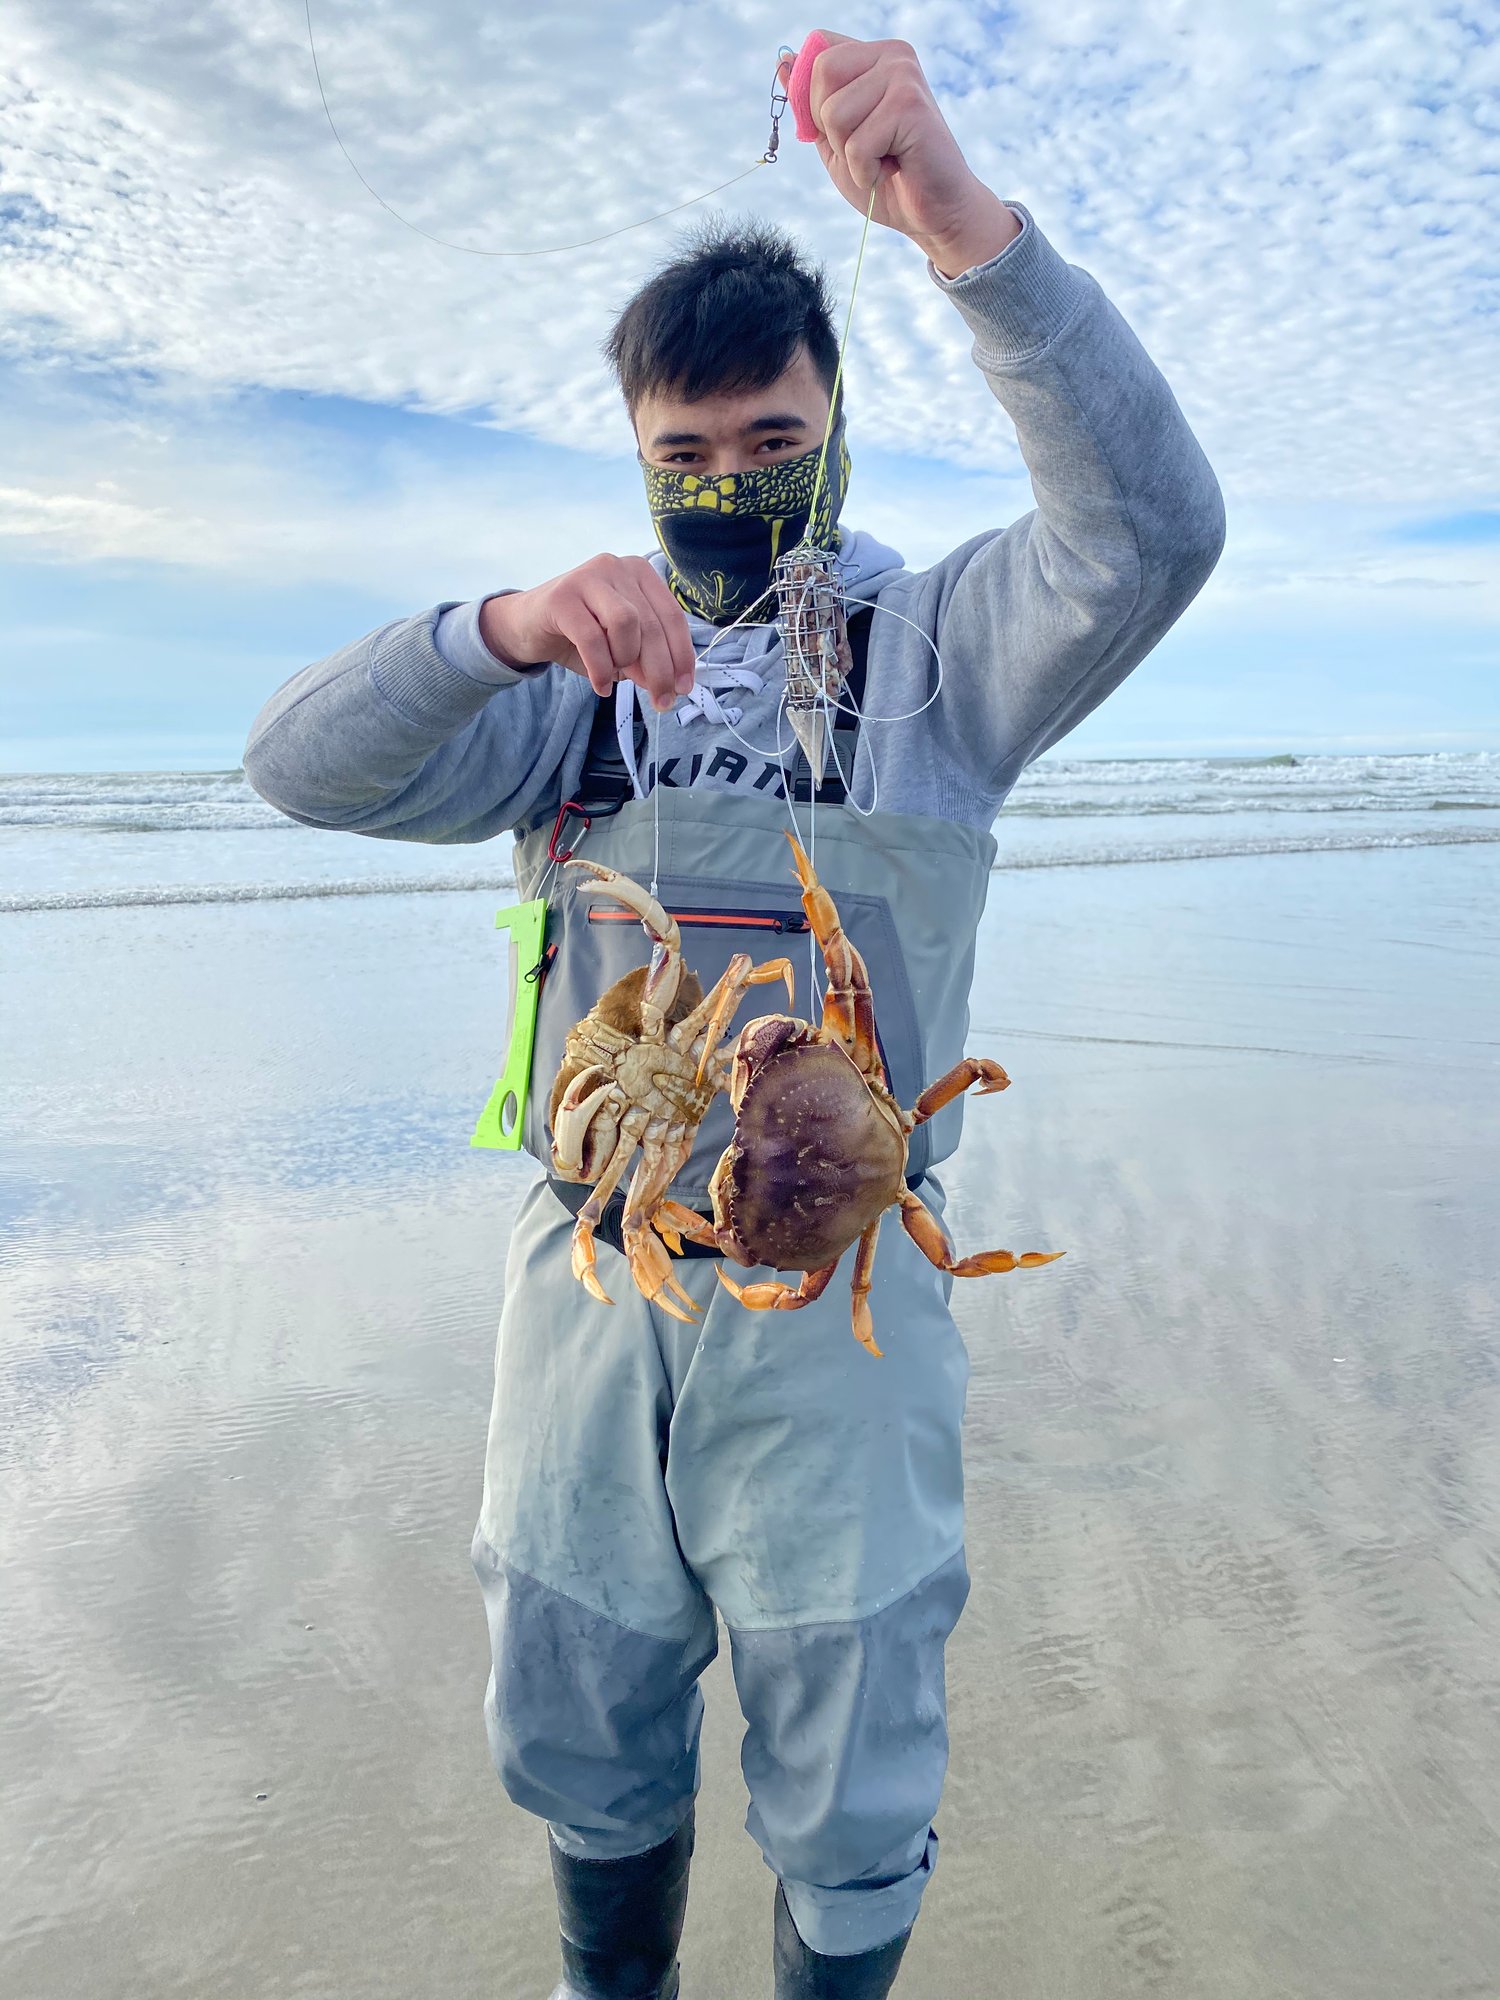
(647, 1480)
(910, 893)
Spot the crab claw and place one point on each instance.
(610, 882)
(575, 1116)
(665, 975)
(771, 1295)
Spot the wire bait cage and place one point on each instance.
(810, 611)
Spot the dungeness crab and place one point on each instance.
(640, 1069)
(819, 1147)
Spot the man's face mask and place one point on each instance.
(721, 536)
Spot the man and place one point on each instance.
(646, 1477)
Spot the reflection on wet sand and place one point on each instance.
(1224, 1696)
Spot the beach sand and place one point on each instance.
(1224, 1701)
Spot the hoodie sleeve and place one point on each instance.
(1039, 621)
(417, 733)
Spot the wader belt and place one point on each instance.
(573, 1195)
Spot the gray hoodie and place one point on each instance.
(417, 732)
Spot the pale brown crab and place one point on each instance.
(819, 1147)
(640, 1069)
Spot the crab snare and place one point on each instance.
(815, 638)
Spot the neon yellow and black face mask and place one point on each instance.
(721, 536)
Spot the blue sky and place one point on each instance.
(248, 416)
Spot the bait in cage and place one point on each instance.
(810, 610)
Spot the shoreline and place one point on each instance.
(1229, 1464)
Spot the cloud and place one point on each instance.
(1351, 561)
(228, 371)
(1292, 205)
(98, 522)
(262, 489)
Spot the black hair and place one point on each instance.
(728, 313)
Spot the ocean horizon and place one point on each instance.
(73, 840)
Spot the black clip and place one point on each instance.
(543, 966)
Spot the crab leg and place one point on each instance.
(739, 974)
(589, 1216)
(972, 1070)
(650, 1265)
(924, 1229)
(712, 1016)
(665, 976)
(771, 1295)
(672, 1221)
(859, 1286)
(848, 1006)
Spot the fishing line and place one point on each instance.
(910, 714)
(838, 373)
(819, 478)
(656, 805)
(843, 704)
(767, 159)
(839, 706)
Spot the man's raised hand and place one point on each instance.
(877, 119)
(611, 619)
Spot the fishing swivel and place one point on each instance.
(778, 107)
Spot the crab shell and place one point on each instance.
(819, 1151)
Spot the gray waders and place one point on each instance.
(646, 1479)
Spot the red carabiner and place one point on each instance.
(566, 853)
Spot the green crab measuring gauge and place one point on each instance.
(501, 1121)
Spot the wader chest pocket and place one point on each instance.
(770, 922)
(713, 920)
(598, 944)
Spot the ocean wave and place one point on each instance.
(234, 818)
(249, 892)
(140, 802)
(1233, 847)
(1227, 849)
(1055, 788)
(1071, 788)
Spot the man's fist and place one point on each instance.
(879, 126)
(611, 619)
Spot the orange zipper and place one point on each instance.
(722, 920)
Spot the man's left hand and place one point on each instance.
(877, 119)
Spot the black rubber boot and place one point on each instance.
(621, 1921)
(805, 1974)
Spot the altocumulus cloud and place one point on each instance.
(1292, 202)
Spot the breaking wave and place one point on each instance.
(140, 802)
(1057, 787)
(1226, 849)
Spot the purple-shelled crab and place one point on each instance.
(819, 1148)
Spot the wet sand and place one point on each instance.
(1225, 1698)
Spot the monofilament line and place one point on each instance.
(470, 249)
(656, 804)
(819, 479)
(838, 373)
